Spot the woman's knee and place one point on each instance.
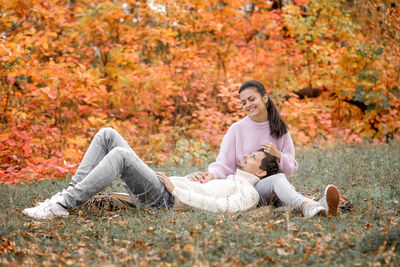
(279, 181)
(274, 179)
(266, 185)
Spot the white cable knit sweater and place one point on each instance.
(236, 193)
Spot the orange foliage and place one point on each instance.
(165, 74)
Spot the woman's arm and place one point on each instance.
(287, 164)
(285, 157)
(225, 164)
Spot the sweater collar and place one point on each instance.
(262, 125)
(245, 176)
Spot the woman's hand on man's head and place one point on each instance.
(271, 149)
(200, 177)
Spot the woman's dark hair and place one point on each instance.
(269, 164)
(277, 125)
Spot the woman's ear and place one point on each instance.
(265, 98)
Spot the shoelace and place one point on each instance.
(43, 204)
(42, 207)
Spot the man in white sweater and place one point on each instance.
(109, 156)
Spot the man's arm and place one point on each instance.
(201, 177)
(167, 182)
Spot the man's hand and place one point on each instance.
(271, 149)
(167, 182)
(200, 177)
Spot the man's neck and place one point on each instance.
(246, 176)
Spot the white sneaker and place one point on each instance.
(48, 209)
(312, 208)
(331, 200)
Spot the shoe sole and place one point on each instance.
(332, 199)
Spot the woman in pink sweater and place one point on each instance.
(262, 128)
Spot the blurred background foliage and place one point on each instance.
(165, 74)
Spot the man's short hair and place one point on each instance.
(269, 164)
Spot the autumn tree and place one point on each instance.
(166, 73)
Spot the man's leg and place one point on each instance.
(103, 142)
(140, 180)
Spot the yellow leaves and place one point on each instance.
(74, 149)
(96, 122)
(219, 27)
(51, 34)
(308, 38)
(164, 35)
(55, 82)
(43, 43)
(78, 141)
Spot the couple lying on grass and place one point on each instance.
(109, 156)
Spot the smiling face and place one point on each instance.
(251, 163)
(254, 104)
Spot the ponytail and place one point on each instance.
(277, 125)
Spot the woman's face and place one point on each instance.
(254, 104)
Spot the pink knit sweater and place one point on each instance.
(246, 136)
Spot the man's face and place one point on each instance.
(251, 163)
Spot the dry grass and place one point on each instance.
(368, 235)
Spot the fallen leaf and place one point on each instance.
(188, 248)
(282, 252)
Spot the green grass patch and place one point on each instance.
(367, 235)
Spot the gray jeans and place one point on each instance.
(278, 184)
(110, 156)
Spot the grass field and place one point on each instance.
(368, 235)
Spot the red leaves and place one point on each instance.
(10, 80)
(22, 157)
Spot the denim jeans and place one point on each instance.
(285, 191)
(110, 156)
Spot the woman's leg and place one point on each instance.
(103, 142)
(284, 190)
(122, 162)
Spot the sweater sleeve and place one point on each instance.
(225, 164)
(243, 200)
(288, 164)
